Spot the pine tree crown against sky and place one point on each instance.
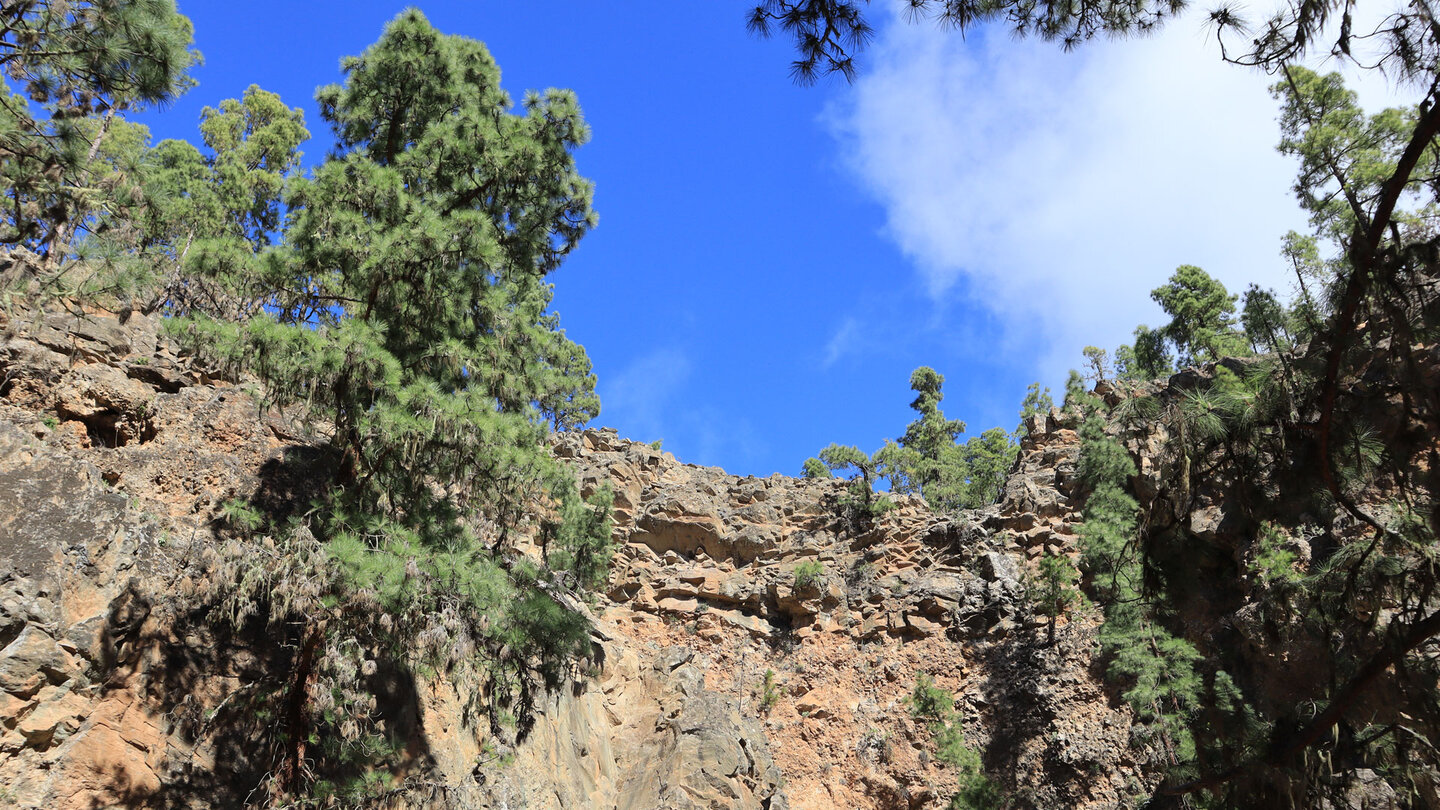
(984, 207)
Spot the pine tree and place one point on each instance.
(414, 328)
(1054, 590)
(1202, 316)
(987, 460)
(862, 502)
(814, 468)
(1098, 361)
(420, 251)
(1037, 402)
(1157, 669)
(926, 460)
(1265, 321)
(70, 68)
(1149, 359)
(211, 220)
(829, 34)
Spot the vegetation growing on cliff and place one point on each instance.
(928, 459)
(1316, 421)
(72, 70)
(397, 297)
(1327, 434)
(394, 298)
(934, 706)
(406, 311)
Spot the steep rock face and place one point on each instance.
(116, 453)
(644, 734)
(708, 562)
(112, 455)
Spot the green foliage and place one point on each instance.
(977, 791)
(808, 573)
(1156, 667)
(211, 219)
(950, 748)
(1202, 316)
(1104, 462)
(932, 433)
(579, 543)
(657, 444)
(987, 460)
(861, 502)
(1149, 359)
(769, 692)
(69, 68)
(1077, 394)
(837, 457)
(241, 515)
(928, 461)
(1230, 409)
(293, 575)
(1274, 563)
(431, 370)
(923, 461)
(1054, 589)
(815, 469)
(928, 701)
(1313, 278)
(406, 311)
(1098, 361)
(1037, 402)
(1135, 410)
(255, 142)
(1203, 326)
(1265, 321)
(1345, 156)
(828, 34)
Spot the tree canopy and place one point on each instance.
(928, 459)
(65, 63)
(397, 297)
(830, 35)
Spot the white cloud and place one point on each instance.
(638, 398)
(650, 398)
(841, 342)
(1060, 188)
(718, 438)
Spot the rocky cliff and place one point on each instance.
(116, 683)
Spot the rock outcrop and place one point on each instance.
(708, 562)
(116, 453)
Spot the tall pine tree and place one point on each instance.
(414, 327)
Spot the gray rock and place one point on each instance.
(32, 660)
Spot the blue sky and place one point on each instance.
(773, 261)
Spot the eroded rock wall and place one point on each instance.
(116, 453)
(707, 562)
